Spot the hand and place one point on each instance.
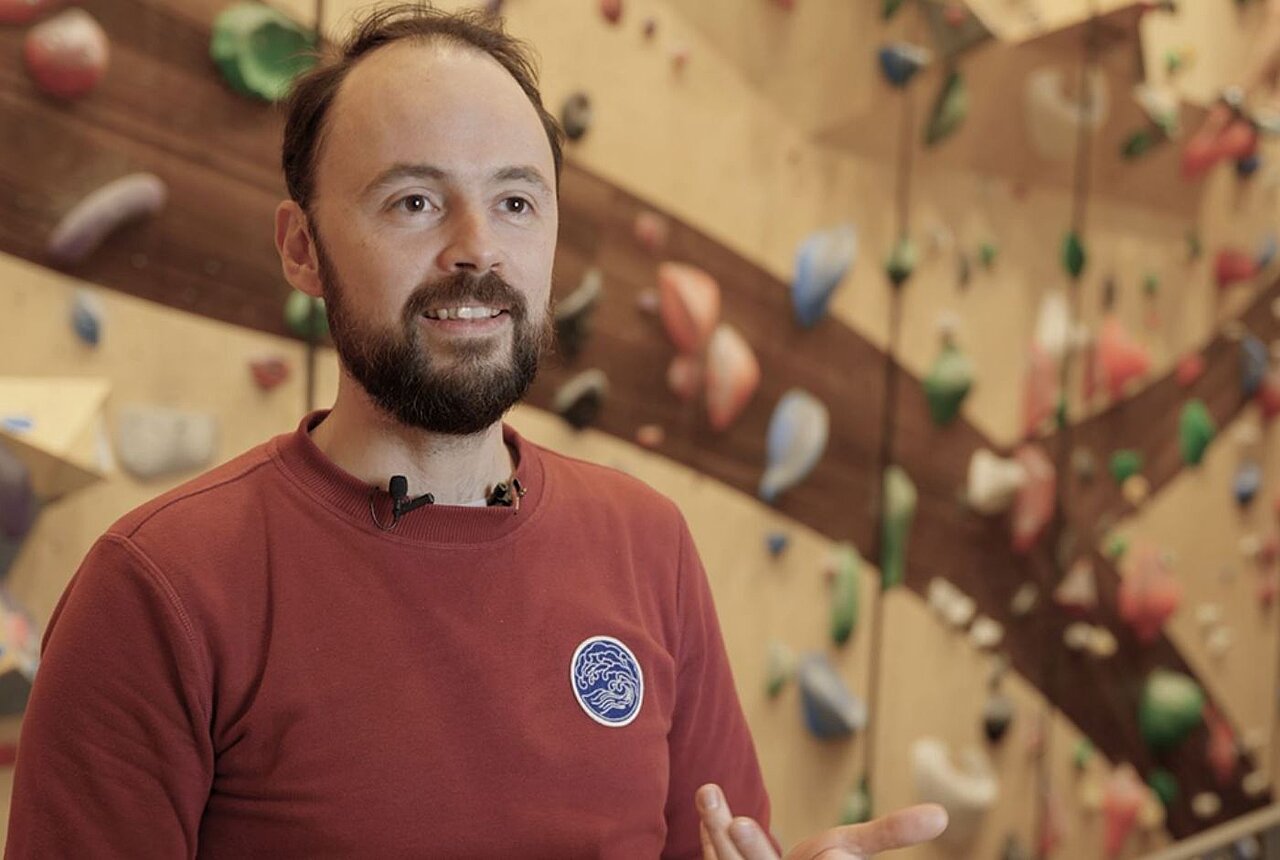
(727, 838)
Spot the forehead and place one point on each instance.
(450, 106)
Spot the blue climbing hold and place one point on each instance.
(1248, 166)
(830, 709)
(822, 262)
(777, 543)
(86, 317)
(900, 61)
(1248, 480)
(1253, 364)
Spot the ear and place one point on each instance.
(298, 257)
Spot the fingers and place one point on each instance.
(716, 819)
(750, 840)
(708, 850)
(909, 826)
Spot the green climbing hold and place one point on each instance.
(948, 383)
(949, 110)
(1073, 254)
(1195, 431)
(902, 261)
(1117, 546)
(1172, 705)
(857, 807)
(899, 511)
(1165, 786)
(845, 564)
(1060, 412)
(987, 253)
(1083, 754)
(889, 8)
(781, 667)
(1138, 144)
(1195, 247)
(1151, 285)
(259, 50)
(1125, 464)
(305, 316)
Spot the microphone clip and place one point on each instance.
(401, 504)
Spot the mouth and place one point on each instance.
(466, 319)
(465, 312)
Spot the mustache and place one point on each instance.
(488, 289)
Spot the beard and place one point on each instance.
(460, 396)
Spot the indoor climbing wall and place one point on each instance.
(969, 334)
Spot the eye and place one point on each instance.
(518, 205)
(413, 203)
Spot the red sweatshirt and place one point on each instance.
(247, 666)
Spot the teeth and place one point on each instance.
(463, 313)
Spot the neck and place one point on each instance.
(360, 438)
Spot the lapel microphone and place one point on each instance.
(504, 494)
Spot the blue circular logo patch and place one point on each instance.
(607, 681)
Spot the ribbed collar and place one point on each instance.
(348, 497)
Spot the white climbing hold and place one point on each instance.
(986, 632)
(152, 441)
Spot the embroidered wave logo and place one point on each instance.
(607, 681)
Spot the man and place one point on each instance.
(282, 658)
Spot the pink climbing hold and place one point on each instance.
(1268, 395)
(689, 300)
(1036, 500)
(611, 10)
(733, 374)
(651, 231)
(1149, 594)
(1041, 390)
(67, 55)
(1232, 266)
(1120, 360)
(1190, 368)
(684, 376)
(1123, 798)
(269, 372)
(1222, 750)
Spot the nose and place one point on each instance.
(470, 245)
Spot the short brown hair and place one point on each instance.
(312, 93)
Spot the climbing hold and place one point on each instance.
(1139, 143)
(733, 374)
(1195, 431)
(781, 668)
(1233, 266)
(1124, 464)
(1074, 256)
(997, 716)
(1117, 546)
(842, 568)
(1269, 394)
(1135, 490)
(1253, 365)
(651, 231)
(948, 383)
(1053, 120)
(895, 525)
(1124, 797)
(67, 54)
(260, 51)
(91, 220)
(1206, 805)
(269, 372)
(1084, 464)
(650, 435)
(822, 261)
(679, 58)
(987, 253)
(797, 438)
(573, 314)
(857, 806)
(986, 633)
(1165, 786)
(1024, 599)
(1255, 784)
(1078, 590)
(889, 8)
(1247, 481)
(580, 399)
(1267, 251)
(952, 605)
(1248, 166)
(1101, 643)
(1172, 705)
(831, 710)
(575, 115)
(964, 271)
(1148, 594)
(1035, 502)
(993, 482)
(649, 27)
(689, 303)
(777, 543)
(611, 10)
(1042, 390)
(949, 109)
(1234, 141)
(1013, 849)
(900, 61)
(684, 376)
(305, 316)
(1119, 360)
(87, 312)
(1222, 750)
(966, 787)
(18, 503)
(1161, 105)
(1082, 754)
(1195, 246)
(1190, 368)
(152, 441)
(902, 261)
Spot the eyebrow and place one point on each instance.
(519, 173)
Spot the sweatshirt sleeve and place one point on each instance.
(115, 757)
(709, 740)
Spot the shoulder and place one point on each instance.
(588, 485)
